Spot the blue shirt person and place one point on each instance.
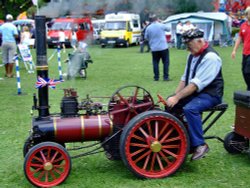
(155, 34)
(9, 33)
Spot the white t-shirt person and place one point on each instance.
(62, 39)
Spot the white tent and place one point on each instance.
(216, 25)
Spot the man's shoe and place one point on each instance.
(156, 79)
(200, 152)
(167, 79)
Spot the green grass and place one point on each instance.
(113, 68)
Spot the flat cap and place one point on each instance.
(192, 34)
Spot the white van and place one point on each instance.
(98, 25)
(121, 29)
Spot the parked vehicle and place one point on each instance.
(121, 29)
(83, 27)
(98, 25)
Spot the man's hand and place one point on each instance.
(236, 46)
(172, 101)
(233, 55)
(181, 94)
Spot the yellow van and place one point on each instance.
(121, 29)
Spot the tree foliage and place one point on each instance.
(15, 7)
(181, 6)
(161, 7)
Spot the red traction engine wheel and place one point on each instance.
(47, 164)
(154, 144)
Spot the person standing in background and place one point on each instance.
(244, 36)
(155, 34)
(179, 31)
(144, 42)
(144, 15)
(9, 34)
(73, 39)
(62, 39)
(187, 26)
(25, 36)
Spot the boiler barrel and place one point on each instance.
(76, 129)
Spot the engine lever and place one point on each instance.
(161, 100)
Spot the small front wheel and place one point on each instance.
(47, 164)
(28, 144)
(235, 143)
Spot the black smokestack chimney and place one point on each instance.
(42, 65)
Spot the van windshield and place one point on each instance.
(62, 25)
(115, 25)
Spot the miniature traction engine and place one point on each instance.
(151, 142)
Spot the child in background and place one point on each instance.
(25, 36)
(73, 39)
(62, 39)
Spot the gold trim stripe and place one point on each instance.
(42, 67)
(55, 128)
(100, 125)
(82, 126)
(136, 32)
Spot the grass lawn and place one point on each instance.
(113, 68)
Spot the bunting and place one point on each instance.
(41, 82)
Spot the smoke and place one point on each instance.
(90, 7)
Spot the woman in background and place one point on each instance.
(25, 36)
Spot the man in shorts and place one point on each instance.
(9, 33)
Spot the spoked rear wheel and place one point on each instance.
(154, 144)
(127, 102)
(47, 164)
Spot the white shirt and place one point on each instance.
(187, 27)
(179, 29)
(61, 36)
(25, 37)
(74, 37)
(206, 71)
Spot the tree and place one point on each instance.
(15, 7)
(181, 6)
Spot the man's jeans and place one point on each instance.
(164, 55)
(192, 108)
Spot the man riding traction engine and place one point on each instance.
(78, 62)
(200, 88)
